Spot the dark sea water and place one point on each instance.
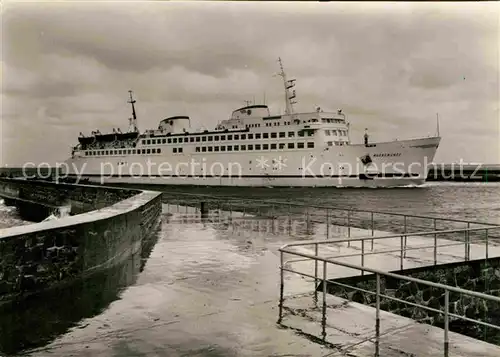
(470, 201)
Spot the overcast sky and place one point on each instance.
(67, 68)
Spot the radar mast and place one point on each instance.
(289, 84)
(134, 116)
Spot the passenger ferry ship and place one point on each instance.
(252, 148)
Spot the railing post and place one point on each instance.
(230, 212)
(327, 223)
(273, 227)
(401, 255)
(372, 223)
(282, 283)
(465, 245)
(377, 319)
(316, 274)
(323, 320)
(446, 322)
(289, 219)
(435, 242)
(468, 241)
(362, 256)
(307, 220)
(204, 210)
(486, 243)
(349, 225)
(404, 217)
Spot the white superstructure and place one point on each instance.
(252, 148)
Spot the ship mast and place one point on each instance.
(134, 116)
(288, 85)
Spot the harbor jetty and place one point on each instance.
(254, 271)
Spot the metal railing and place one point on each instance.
(311, 215)
(325, 282)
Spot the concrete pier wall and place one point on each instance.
(478, 275)
(81, 198)
(43, 255)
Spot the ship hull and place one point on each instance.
(389, 164)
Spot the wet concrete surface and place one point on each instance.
(210, 290)
(203, 292)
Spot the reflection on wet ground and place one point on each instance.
(204, 291)
(40, 318)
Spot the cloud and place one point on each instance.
(392, 67)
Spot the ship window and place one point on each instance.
(223, 137)
(148, 142)
(265, 135)
(153, 151)
(300, 145)
(163, 141)
(191, 139)
(143, 151)
(216, 148)
(229, 137)
(197, 149)
(236, 137)
(290, 145)
(273, 135)
(301, 133)
(222, 148)
(210, 149)
(309, 133)
(229, 148)
(265, 147)
(158, 151)
(169, 141)
(250, 147)
(148, 151)
(210, 138)
(174, 150)
(153, 141)
(203, 149)
(282, 146)
(86, 153)
(273, 146)
(216, 137)
(174, 140)
(133, 152)
(179, 150)
(243, 136)
(257, 146)
(185, 140)
(243, 148)
(291, 134)
(198, 139)
(282, 134)
(310, 145)
(327, 132)
(203, 138)
(236, 148)
(257, 136)
(144, 142)
(330, 143)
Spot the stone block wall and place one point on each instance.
(40, 256)
(81, 198)
(479, 275)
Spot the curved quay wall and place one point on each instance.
(39, 256)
